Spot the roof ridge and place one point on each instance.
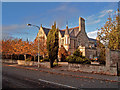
(45, 27)
(72, 28)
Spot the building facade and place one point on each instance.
(74, 38)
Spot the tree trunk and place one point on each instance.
(34, 58)
(11, 56)
(51, 64)
(18, 57)
(25, 56)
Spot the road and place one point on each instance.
(13, 77)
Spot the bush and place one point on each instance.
(46, 59)
(87, 62)
(28, 59)
(79, 60)
(77, 53)
(70, 59)
(41, 57)
(83, 56)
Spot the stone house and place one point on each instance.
(74, 38)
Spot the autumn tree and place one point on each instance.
(42, 45)
(52, 44)
(34, 49)
(110, 32)
(63, 53)
(109, 36)
(7, 48)
(26, 48)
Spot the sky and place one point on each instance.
(16, 16)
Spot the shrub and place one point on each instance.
(77, 53)
(79, 60)
(41, 57)
(87, 62)
(83, 56)
(46, 59)
(71, 59)
(28, 59)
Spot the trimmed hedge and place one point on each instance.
(75, 59)
(78, 58)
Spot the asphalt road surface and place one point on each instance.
(13, 77)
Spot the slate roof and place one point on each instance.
(66, 31)
(46, 30)
(62, 32)
(91, 39)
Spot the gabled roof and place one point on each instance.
(46, 30)
(75, 29)
(62, 32)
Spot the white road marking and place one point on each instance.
(57, 83)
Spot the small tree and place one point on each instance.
(62, 53)
(77, 53)
(52, 44)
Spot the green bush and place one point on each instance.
(79, 60)
(70, 59)
(46, 59)
(28, 59)
(83, 56)
(87, 62)
(41, 57)
(77, 53)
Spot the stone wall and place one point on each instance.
(9, 61)
(93, 69)
(115, 58)
(111, 67)
(90, 52)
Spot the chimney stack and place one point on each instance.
(81, 24)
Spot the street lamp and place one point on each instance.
(38, 42)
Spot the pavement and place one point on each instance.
(62, 70)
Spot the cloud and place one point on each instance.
(65, 7)
(90, 17)
(94, 19)
(13, 27)
(61, 8)
(6, 36)
(104, 12)
(13, 31)
(91, 22)
(92, 34)
(62, 13)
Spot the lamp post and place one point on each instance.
(38, 42)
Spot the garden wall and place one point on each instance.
(9, 61)
(115, 58)
(93, 68)
(111, 67)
